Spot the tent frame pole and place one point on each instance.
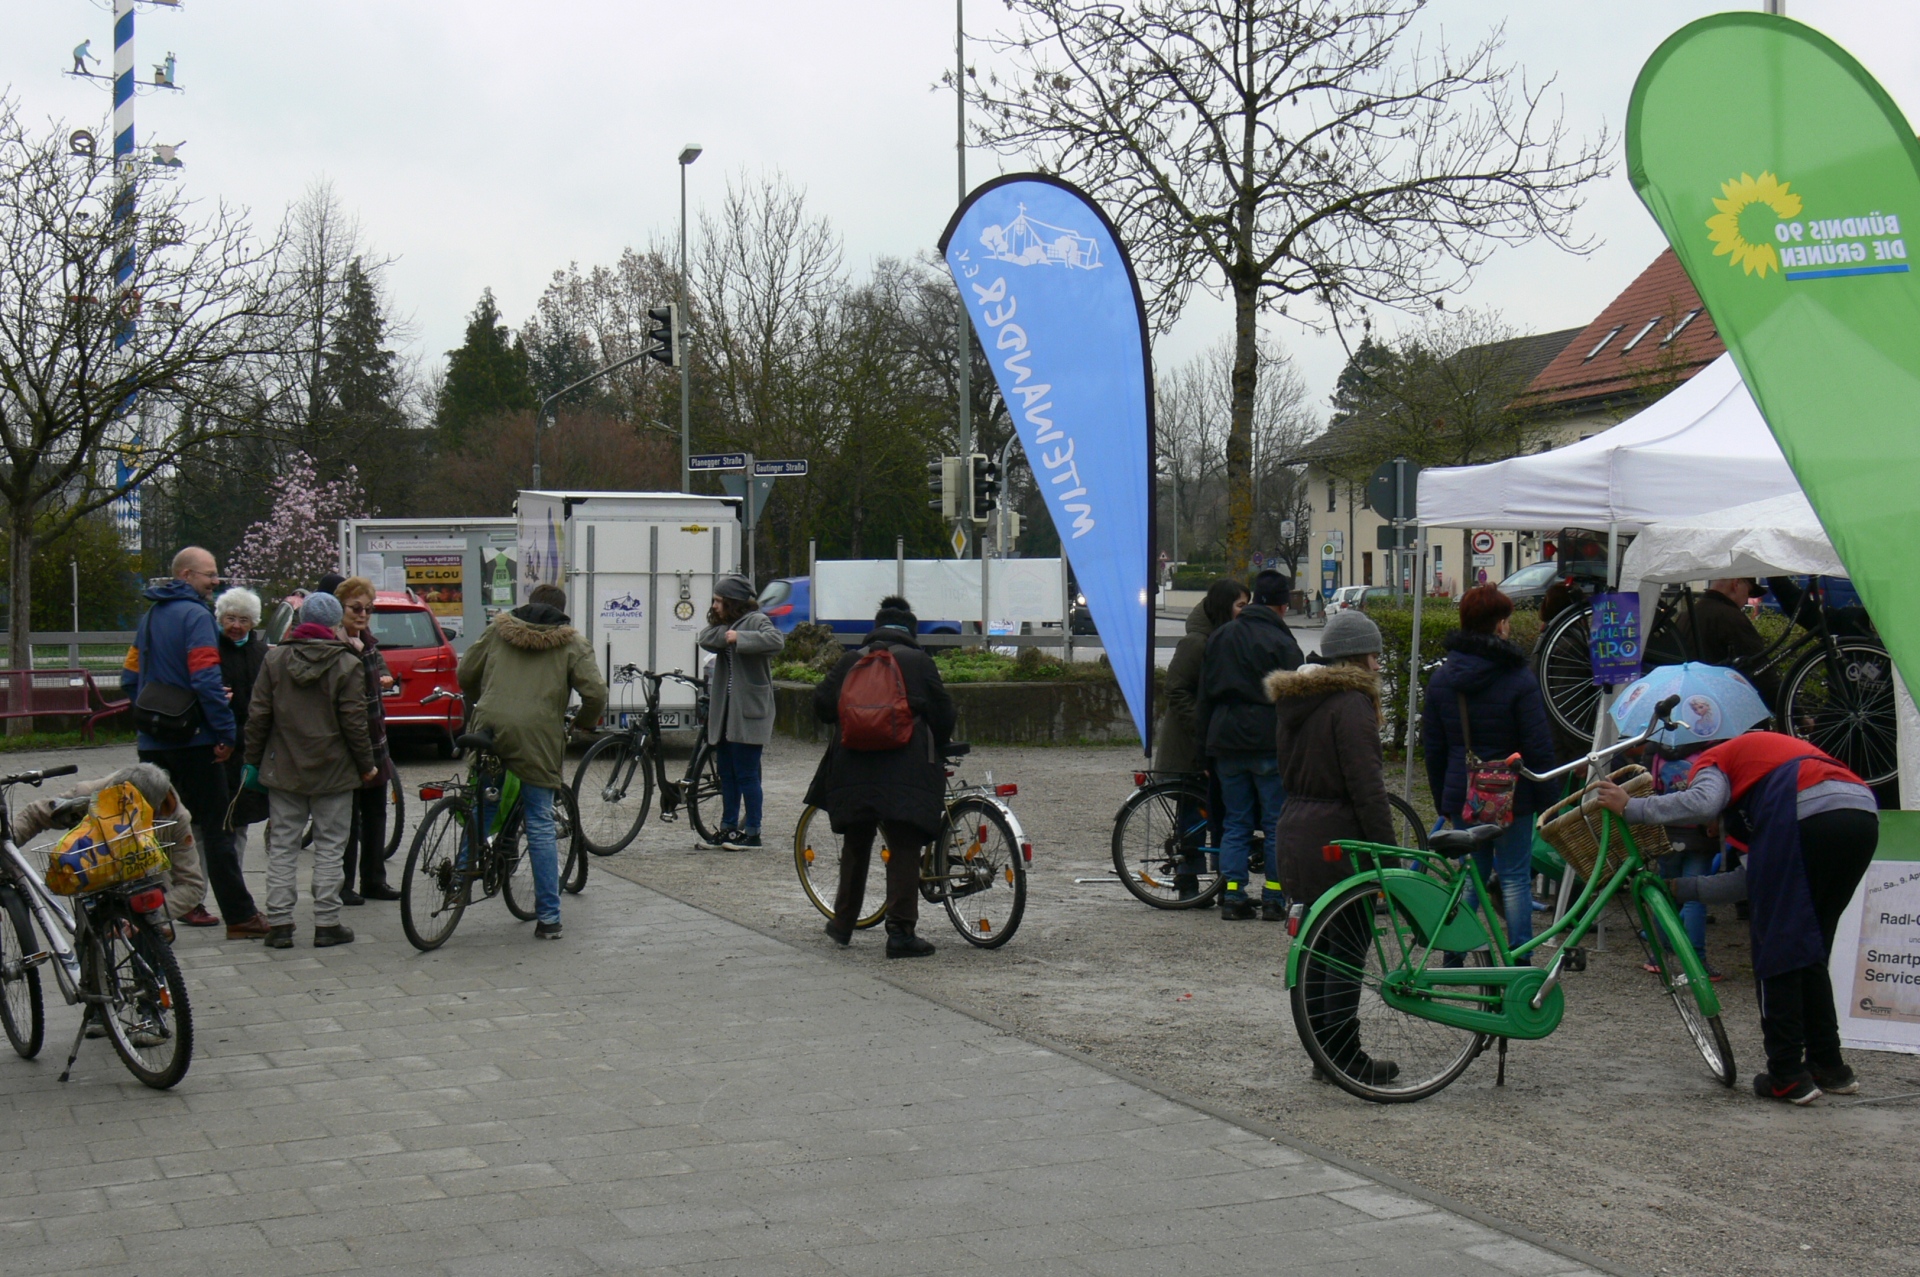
(1413, 658)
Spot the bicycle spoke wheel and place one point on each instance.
(1408, 829)
(1159, 845)
(612, 788)
(986, 874)
(702, 794)
(816, 856)
(1843, 703)
(396, 814)
(516, 874)
(1684, 976)
(566, 838)
(147, 1014)
(22, 1012)
(1362, 1044)
(433, 890)
(1565, 670)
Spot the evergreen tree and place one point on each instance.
(360, 418)
(486, 377)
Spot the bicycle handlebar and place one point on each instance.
(34, 778)
(1658, 723)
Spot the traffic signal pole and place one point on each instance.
(964, 352)
(546, 405)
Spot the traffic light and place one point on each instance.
(946, 475)
(665, 334)
(985, 487)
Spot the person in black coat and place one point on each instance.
(898, 793)
(1488, 673)
(1237, 725)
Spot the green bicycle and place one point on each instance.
(1398, 985)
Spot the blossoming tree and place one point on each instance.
(299, 540)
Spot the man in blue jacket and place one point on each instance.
(178, 645)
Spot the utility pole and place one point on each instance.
(964, 353)
(688, 154)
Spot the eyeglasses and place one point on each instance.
(354, 607)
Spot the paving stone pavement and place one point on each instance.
(660, 1092)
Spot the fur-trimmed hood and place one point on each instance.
(517, 632)
(1319, 680)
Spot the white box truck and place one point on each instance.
(461, 568)
(638, 569)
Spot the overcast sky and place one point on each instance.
(490, 142)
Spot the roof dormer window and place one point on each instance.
(1602, 344)
(1642, 333)
(1678, 328)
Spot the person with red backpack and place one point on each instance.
(883, 773)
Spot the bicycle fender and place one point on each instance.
(1655, 900)
(1420, 899)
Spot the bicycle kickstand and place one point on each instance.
(1500, 1075)
(86, 1020)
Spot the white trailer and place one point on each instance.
(638, 569)
(461, 568)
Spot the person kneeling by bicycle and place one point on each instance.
(1811, 828)
(518, 676)
(883, 772)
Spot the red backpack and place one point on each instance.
(874, 713)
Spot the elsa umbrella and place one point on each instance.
(1716, 703)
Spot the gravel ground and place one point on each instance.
(1610, 1134)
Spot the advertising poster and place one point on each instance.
(498, 575)
(1876, 949)
(439, 580)
(1615, 638)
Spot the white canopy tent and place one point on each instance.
(1702, 447)
(1780, 536)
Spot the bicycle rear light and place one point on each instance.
(152, 900)
(1007, 791)
(1026, 852)
(1294, 915)
(1332, 854)
(430, 792)
(1139, 780)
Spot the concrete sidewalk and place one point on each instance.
(661, 1091)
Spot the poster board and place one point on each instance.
(1876, 948)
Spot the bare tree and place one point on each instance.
(95, 376)
(1309, 152)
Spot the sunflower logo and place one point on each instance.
(1724, 227)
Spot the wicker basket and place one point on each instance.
(1572, 825)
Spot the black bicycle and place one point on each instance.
(473, 836)
(111, 952)
(1166, 831)
(613, 784)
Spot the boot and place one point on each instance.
(1272, 910)
(327, 937)
(902, 943)
(1235, 907)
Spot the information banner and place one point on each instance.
(439, 581)
(1876, 951)
(1613, 639)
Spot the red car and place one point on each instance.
(422, 661)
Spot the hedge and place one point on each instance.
(1438, 618)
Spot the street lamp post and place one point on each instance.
(688, 154)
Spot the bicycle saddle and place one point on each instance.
(1458, 842)
(481, 740)
(956, 749)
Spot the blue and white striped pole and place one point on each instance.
(123, 164)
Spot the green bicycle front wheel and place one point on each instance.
(1356, 1039)
(1684, 976)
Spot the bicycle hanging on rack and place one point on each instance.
(614, 782)
(977, 867)
(1387, 1016)
(110, 953)
(474, 836)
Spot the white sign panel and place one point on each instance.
(1876, 960)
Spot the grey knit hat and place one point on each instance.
(737, 588)
(1349, 633)
(320, 609)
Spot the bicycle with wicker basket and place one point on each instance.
(1398, 983)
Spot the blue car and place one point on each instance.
(788, 601)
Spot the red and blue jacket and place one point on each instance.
(182, 649)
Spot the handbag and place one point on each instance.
(1490, 786)
(167, 713)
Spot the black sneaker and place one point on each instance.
(1273, 911)
(1791, 1090)
(1835, 1080)
(904, 944)
(1235, 907)
(546, 931)
(724, 837)
(740, 841)
(348, 896)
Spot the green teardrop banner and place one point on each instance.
(1788, 182)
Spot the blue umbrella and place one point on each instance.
(1716, 703)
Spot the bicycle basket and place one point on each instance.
(114, 843)
(1572, 826)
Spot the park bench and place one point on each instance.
(45, 693)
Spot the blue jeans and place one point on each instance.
(1251, 789)
(1511, 856)
(1693, 914)
(739, 767)
(543, 854)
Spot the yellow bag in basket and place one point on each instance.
(113, 843)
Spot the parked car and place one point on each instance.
(1529, 585)
(1359, 597)
(788, 601)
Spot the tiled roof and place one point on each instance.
(1598, 364)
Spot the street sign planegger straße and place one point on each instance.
(717, 461)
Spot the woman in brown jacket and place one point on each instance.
(1329, 747)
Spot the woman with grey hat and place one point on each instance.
(1328, 739)
(740, 716)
